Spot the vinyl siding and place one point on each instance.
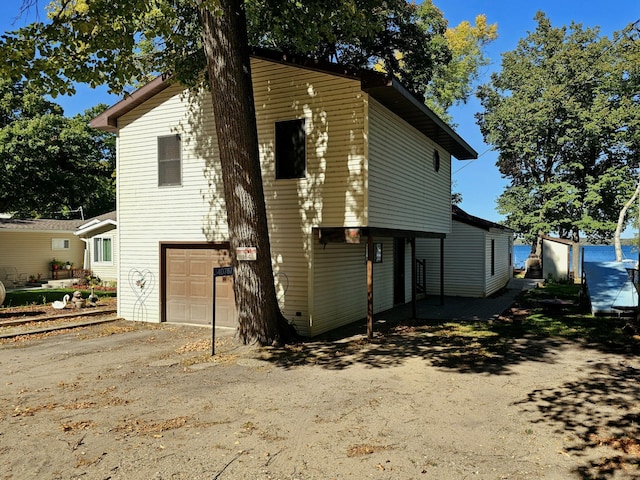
(467, 261)
(147, 213)
(503, 270)
(333, 191)
(106, 271)
(333, 109)
(405, 191)
(30, 251)
(340, 284)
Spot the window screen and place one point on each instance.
(291, 150)
(60, 244)
(169, 161)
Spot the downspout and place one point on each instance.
(86, 260)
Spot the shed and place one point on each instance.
(478, 257)
(556, 258)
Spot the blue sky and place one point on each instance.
(478, 181)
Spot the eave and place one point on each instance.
(386, 90)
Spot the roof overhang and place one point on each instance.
(94, 228)
(459, 215)
(395, 97)
(360, 234)
(108, 120)
(386, 90)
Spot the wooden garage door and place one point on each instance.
(189, 276)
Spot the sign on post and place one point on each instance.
(217, 272)
(246, 254)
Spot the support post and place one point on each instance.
(442, 271)
(370, 254)
(414, 278)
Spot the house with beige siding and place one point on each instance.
(100, 238)
(27, 247)
(354, 167)
(477, 256)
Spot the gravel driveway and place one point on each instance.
(131, 401)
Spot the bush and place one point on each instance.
(19, 298)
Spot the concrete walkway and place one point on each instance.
(461, 308)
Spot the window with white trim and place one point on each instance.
(60, 244)
(169, 161)
(103, 250)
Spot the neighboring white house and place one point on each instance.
(99, 235)
(348, 157)
(556, 258)
(478, 257)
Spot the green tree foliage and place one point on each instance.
(563, 113)
(453, 82)
(50, 163)
(357, 33)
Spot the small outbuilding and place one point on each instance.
(556, 258)
(478, 257)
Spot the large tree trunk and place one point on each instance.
(229, 70)
(621, 218)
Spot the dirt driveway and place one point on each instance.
(129, 401)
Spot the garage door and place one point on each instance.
(189, 276)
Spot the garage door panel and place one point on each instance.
(179, 267)
(201, 314)
(200, 268)
(189, 293)
(177, 311)
(225, 316)
(177, 288)
(200, 289)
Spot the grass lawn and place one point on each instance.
(18, 298)
(528, 319)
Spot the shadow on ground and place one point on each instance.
(493, 347)
(598, 417)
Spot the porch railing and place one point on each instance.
(421, 276)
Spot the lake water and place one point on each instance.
(592, 253)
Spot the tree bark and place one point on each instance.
(229, 71)
(621, 217)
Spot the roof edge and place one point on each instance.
(375, 84)
(461, 216)
(108, 120)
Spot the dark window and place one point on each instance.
(169, 161)
(436, 160)
(493, 257)
(291, 149)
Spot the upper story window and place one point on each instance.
(103, 250)
(169, 161)
(60, 244)
(291, 149)
(436, 160)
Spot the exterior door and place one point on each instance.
(398, 271)
(189, 287)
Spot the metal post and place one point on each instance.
(213, 318)
(370, 286)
